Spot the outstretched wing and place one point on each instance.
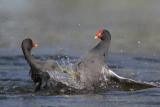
(127, 84)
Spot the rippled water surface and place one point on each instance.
(16, 87)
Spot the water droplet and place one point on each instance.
(154, 54)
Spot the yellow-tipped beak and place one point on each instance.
(35, 45)
(95, 37)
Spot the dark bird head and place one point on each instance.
(28, 44)
(103, 46)
(103, 35)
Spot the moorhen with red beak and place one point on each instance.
(38, 68)
(92, 72)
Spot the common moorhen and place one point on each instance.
(38, 68)
(92, 72)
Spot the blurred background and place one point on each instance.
(69, 26)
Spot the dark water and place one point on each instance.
(16, 86)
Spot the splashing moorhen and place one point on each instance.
(38, 68)
(92, 72)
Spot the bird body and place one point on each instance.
(93, 73)
(38, 68)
